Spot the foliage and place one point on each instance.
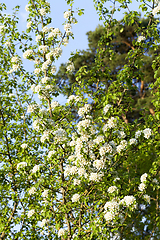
(78, 170)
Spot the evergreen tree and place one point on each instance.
(121, 42)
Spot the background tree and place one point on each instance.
(121, 42)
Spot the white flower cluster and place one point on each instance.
(147, 198)
(43, 11)
(32, 190)
(67, 14)
(15, 59)
(95, 176)
(61, 232)
(73, 98)
(31, 108)
(30, 213)
(51, 153)
(112, 207)
(27, 8)
(143, 177)
(67, 28)
(70, 170)
(99, 164)
(112, 123)
(122, 146)
(112, 189)
(70, 67)
(84, 110)
(44, 221)
(99, 139)
(133, 141)
(2, 27)
(60, 135)
(45, 29)
(147, 132)
(142, 186)
(140, 39)
(45, 193)
(54, 33)
(45, 135)
(106, 108)
(43, 48)
(29, 24)
(75, 197)
(83, 124)
(21, 165)
(128, 201)
(35, 168)
(106, 148)
(138, 133)
(38, 38)
(27, 54)
(156, 10)
(111, 210)
(24, 145)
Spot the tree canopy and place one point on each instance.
(87, 169)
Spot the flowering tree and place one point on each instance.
(89, 177)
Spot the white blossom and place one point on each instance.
(51, 153)
(76, 182)
(60, 135)
(133, 141)
(95, 177)
(44, 221)
(8, 44)
(99, 164)
(141, 187)
(31, 108)
(29, 24)
(106, 108)
(45, 29)
(156, 10)
(61, 232)
(27, 54)
(70, 67)
(53, 69)
(138, 133)
(112, 189)
(143, 177)
(128, 200)
(21, 165)
(75, 197)
(81, 171)
(109, 216)
(147, 132)
(43, 48)
(42, 11)
(67, 27)
(32, 190)
(27, 8)
(112, 206)
(24, 145)
(35, 168)
(2, 28)
(31, 212)
(45, 79)
(147, 198)
(140, 39)
(67, 14)
(38, 38)
(84, 110)
(45, 193)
